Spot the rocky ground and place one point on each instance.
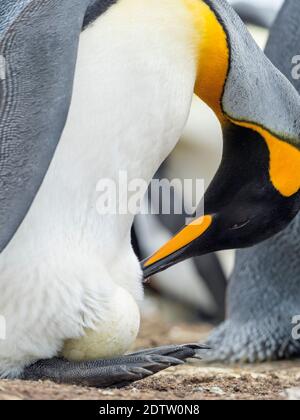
(194, 381)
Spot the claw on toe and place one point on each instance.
(163, 360)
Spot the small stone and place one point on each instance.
(292, 394)
(108, 393)
(216, 390)
(199, 389)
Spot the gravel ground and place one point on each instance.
(272, 381)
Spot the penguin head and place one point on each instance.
(246, 203)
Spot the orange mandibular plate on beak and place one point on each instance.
(182, 239)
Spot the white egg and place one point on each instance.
(113, 337)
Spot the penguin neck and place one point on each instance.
(216, 67)
(213, 56)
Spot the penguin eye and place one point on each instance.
(240, 225)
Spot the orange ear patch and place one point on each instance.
(284, 166)
(284, 161)
(183, 238)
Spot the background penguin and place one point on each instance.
(259, 12)
(264, 295)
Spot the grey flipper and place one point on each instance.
(264, 292)
(38, 45)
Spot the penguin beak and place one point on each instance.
(179, 248)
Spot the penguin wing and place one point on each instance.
(38, 50)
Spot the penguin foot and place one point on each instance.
(252, 342)
(117, 372)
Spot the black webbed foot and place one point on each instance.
(113, 372)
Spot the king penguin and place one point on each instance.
(73, 112)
